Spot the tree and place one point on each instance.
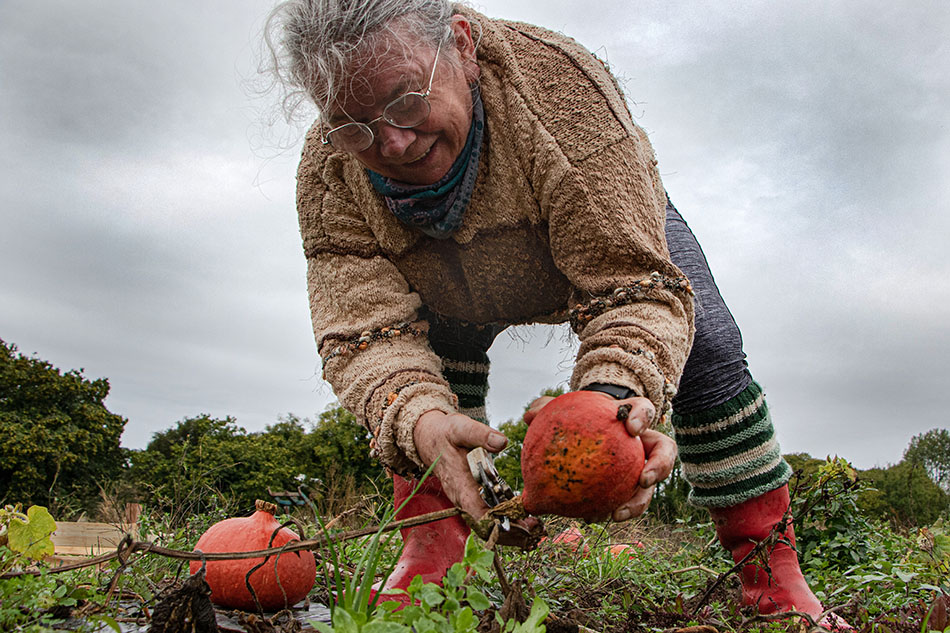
(58, 441)
(931, 450)
(339, 445)
(903, 493)
(805, 467)
(204, 461)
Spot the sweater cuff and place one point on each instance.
(633, 370)
(394, 443)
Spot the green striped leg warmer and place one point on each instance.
(729, 452)
(466, 369)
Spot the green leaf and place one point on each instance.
(455, 577)
(32, 537)
(412, 613)
(464, 620)
(477, 557)
(415, 586)
(431, 594)
(343, 622)
(382, 626)
(424, 625)
(323, 627)
(388, 605)
(477, 599)
(539, 611)
(905, 577)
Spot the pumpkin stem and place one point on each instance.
(623, 412)
(265, 506)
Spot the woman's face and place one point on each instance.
(423, 154)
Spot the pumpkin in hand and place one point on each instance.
(294, 577)
(578, 460)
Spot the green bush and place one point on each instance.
(203, 462)
(59, 442)
(903, 494)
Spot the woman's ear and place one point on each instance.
(465, 45)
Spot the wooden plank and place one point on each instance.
(89, 539)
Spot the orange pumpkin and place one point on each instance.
(578, 460)
(296, 571)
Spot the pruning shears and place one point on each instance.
(492, 487)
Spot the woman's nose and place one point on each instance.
(394, 141)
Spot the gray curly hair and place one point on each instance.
(312, 44)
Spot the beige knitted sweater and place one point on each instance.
(567, 218)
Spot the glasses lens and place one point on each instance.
(352, 137)
(409, 110)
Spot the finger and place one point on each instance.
(467, 433)
(641, 416)
(636, 506)
(535, 407)
(660, 452)
(459, 485)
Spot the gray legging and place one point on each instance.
(716, 369)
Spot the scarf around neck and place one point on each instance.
(437, 209)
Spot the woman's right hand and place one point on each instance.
(449, 438)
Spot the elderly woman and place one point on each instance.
(466, 174)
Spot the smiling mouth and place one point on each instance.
(424, 154)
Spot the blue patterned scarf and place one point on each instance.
(437, 209)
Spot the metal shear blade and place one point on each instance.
(493, 488)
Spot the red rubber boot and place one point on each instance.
(429, 549)
(782, 586)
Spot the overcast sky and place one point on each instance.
(148, 231)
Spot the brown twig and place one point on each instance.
(711, 572)
(309, 544)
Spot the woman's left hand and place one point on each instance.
(659, 450)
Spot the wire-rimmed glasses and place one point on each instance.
(405, 111)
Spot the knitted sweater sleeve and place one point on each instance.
(632, 308)
(374, 349)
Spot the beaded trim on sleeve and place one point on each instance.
(374, 450)
(367, 338)
(581, 314)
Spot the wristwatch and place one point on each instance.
(618, 392)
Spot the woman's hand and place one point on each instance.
(659, 450)
(449, 437)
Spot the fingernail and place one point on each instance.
(647, 479)
(496, 441)
(623, 514)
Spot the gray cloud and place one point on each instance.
(147, 239)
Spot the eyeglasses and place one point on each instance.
(407, 111)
